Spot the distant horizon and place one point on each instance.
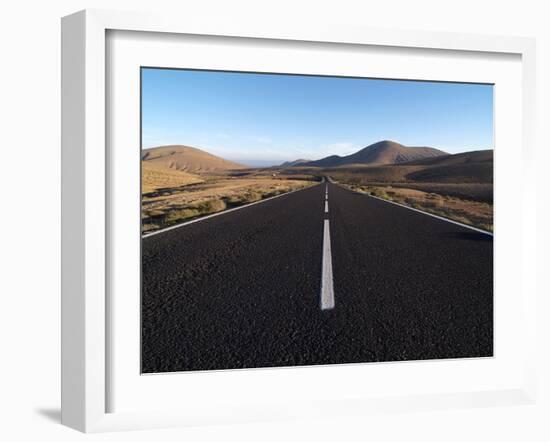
(267, 119)
(269, 163)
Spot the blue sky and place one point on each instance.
(263, 119)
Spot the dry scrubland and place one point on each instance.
(467, 211)
(213, 193)
(458, 187)
(154, 178)
(180, 183)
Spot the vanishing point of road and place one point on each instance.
(318, 276)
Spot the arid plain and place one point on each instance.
(181, 183)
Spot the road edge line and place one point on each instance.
(425, 213)
(223, 212)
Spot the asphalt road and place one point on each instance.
(250, 288)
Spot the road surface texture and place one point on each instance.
(319, 276)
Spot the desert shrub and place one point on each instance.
(211, 206)
(149, 227)
(234, 200)
(435, 203)
(181, 214)
(247, 197)
(151, 213)
(274, 192)
(251, 196)
(380, 193)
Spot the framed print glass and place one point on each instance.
(320, 273)
(269, 223)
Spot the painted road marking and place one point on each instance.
(327, 287)
(326, 206)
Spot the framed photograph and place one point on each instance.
(271, 222)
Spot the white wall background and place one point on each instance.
(30, 221)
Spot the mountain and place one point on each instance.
(383, 152)
(475, 156)
(331, 161)
(294, 163)
(467, 167)
(187, 159)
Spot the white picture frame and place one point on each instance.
(85, 209)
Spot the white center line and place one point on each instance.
(327, 288)
(326, 206)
